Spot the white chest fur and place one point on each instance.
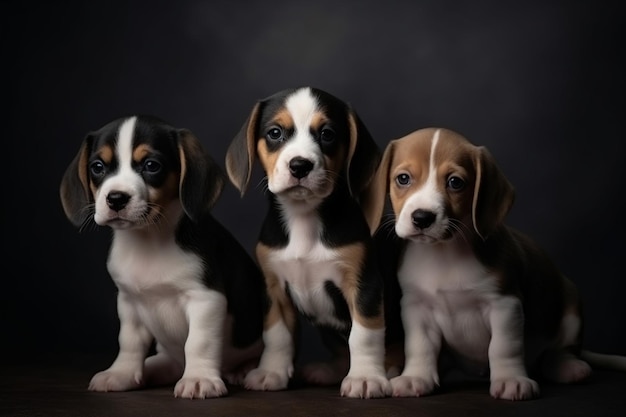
(452, 291)
(158, 279)
(305, 264)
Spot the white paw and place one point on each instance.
(514, 388)
(412, 386)
(365, 387)
(200, 387)
(116, 380)
(263, 380)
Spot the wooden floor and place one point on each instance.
(58, 388)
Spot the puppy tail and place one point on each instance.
(604, 361)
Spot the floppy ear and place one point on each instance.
(201, 179)
(493, 194)
(375, 194)
(242, 151)
(363, 156)
(74, 191)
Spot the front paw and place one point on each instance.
(264, 380)
(116, 380)
(412, 386)
(365, 387)
(200, 387)
(514, 388)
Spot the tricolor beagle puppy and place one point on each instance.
(469, 282)
(183, 279)
(315, 247)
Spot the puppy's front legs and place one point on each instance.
(126, 372)
(506, 351)
(276, 363)
(206, 313)
(422, 345)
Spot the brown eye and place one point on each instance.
(275, 134)
(97, 168)
(455, 183)
(403, 179)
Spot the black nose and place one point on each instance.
(423, 218)
(117, 200)
(300, 167)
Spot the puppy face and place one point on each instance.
(440, 186)
(306, 140)
(135, 171)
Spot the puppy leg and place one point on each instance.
(423, 342)
(162, 369)
(203, 347)
(560, 365)
(126, 372)
(509, 380)
(366, 377)
(276, 363)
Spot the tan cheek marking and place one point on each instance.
(281, 307)
(351, 266)
(268, 159)
(412, 155)
(105, 153)
(166, 193)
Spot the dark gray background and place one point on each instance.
(540, 83)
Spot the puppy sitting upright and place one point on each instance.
(315, 248)
(469, 282)
(183, 279)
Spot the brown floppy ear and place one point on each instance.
(75, 194)
(375, 194)
(493, 194)
(201, 179)
(242, 151)
(363, 156)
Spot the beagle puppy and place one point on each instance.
(184, 281)
(470, 283)
(315, 248)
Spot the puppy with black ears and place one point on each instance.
(315, 248)
(184, 281)
(471, 284)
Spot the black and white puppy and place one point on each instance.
(183, 279)
(315, 248)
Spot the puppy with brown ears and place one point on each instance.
(183, 279)
(315, 247)
(469, 282)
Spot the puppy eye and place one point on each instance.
(327, 135)
(97, 168)
(152, 166)
(403, 179)
(275, 134)
(455, 183)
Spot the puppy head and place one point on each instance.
(307, 142)
(135, 171)
(440, 186)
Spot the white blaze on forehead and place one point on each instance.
(125, 143)
(302, 107)
(427, 197)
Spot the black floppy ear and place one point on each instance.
(363, 156)
(375, 194)
(201, 179)
(242, 151)
(76, 197)
(493, 194)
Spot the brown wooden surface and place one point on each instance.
(58, 388)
